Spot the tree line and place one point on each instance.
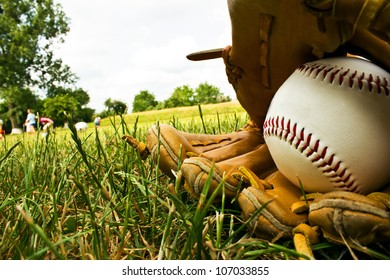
(29, 33)
(182, 96)
(32, 77)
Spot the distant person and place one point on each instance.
(2, 131)
(97, 121)
(47, 124)
(30, 122)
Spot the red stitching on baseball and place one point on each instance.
(286, 131)
(376, 84)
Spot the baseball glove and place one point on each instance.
(275, 218)
(342, 217)
(351, 218)
(257, 64)
(196, 154)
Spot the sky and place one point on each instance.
(118, 48)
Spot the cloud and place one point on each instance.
(121, 47)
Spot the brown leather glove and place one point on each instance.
(370, 21)
(343, 217)
(351, 218)
(276, 197)
(259, 62)
(196, 154)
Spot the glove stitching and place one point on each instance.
(338, 222)
(206, 169)
(197, 182)
(165, 145)
(352, 205)
(264, 212)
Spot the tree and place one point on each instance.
(27, 99)
(28, 32)
(208, 94)
(182, 96)
(144, 101)
(56, 107)
(79, 96)
(116, 106)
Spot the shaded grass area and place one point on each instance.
(88, 195)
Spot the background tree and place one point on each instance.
(29, 30)
(181, 96)
(209, 94)
(115, 106)
(76, 105)
(56, 107)
(144, 101)
(27, 99)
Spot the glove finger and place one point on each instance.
(276, 219)
(166, 147)
(345, 215)
(207, 142)
(196, 170)
(173, 144)
(230, 145)
(240, 144)
(371, 27)
(170, 147)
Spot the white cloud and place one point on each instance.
(121, 47)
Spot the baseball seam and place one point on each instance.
(305, 143)
(374, 84)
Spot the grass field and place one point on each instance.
(88, 195)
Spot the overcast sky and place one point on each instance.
(118, 48)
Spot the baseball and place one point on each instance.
(328, 126)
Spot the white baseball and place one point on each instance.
(328, 126)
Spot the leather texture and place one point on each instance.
(276, 219)
(353, 218)
(196, 154)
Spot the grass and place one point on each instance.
(88, 195)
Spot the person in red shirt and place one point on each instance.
(47, 123)
(2, 131)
